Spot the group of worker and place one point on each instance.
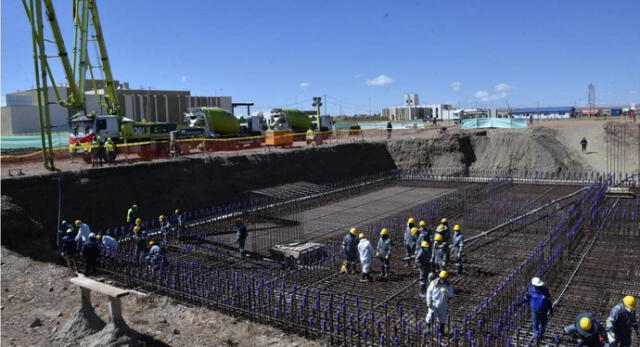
(102, 152)
(429, 251)
(586, 330)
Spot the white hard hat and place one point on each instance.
(92, 236)
(537, 282)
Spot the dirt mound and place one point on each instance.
(448, 151)
(24, 235)
(519, 150)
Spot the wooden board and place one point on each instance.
(99, 287)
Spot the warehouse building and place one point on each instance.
(20, 115)
(544, 112)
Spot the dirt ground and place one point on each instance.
(37, 300)
(570, 132)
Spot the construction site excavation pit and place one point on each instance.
(290, 277)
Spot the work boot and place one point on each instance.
(364, 278)
(423, 290)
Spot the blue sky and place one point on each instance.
(362, 54)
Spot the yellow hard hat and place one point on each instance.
(424, 244)
(177, 210)
(629, 302)
(151, 243)
(384, 232)
(456, 227)
(411, 220)
(353, 231)
(78, 222)
(98, 237)
(440, 228)
(136, 229)
(138, 220)
(414, 230)
(438, 237)
(423, 223)
(162, 217)
(361, 236)
(444, 220)
(585, 323)
(443, 274)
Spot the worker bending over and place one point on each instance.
(90, 254)
(350, 250)
(383, 251)
(621, 320)
(438, 295)
(365, 250)
(423, 262)
(83, 232)
(457, 244)
(586, 331)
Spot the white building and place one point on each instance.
(411, 99)
(403, 113)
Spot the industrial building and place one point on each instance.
(20, 116)
(544, 112)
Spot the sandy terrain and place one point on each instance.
(37, 300)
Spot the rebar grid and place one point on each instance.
(539, 226)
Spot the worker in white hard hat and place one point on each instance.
(540, 303)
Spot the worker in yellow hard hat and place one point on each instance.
(365, 251)
(457, 244)
(383, 252)
(438, 295)
(424, 234)
(410, 239)
(350, 250)
(586, 331)
(140, 242)
(423, 263)
(164, 224)
(621, 320)
(440, 253)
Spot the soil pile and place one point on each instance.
(23, 234)
(520, 150)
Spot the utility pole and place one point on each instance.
(325, 103)
(317, 103)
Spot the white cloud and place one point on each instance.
(482, 95)
(304, 85)
(456, 86)
(380, 81)
(502, 91)
(183, 78)
(503, 87)
(633, 92)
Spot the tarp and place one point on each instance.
(60, 139)
(507, 123)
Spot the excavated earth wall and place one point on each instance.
(102, 196)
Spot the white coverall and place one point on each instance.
(83, 233)
(109, 246)
(365, 251)
(438, 295)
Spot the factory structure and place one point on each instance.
(413, 110)
(20, 115)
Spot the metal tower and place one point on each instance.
(592, 98)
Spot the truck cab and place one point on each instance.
(84, 129)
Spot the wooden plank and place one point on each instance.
(99, 287)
